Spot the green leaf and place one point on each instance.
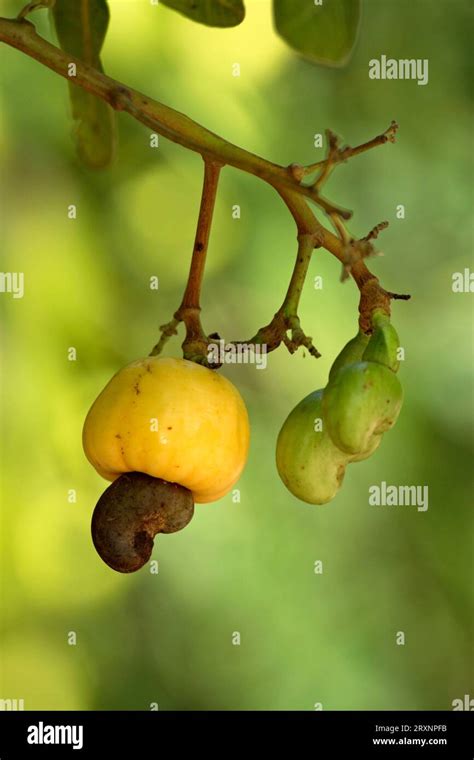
(211, 12)
(323, 33)
(81, 26)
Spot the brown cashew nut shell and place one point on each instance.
(131, 512)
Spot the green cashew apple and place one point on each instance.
(383, 345)
(351, 353)
(361, 402)
(308, 462)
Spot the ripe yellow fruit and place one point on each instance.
(172, 419)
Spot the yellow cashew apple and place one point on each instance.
(172, 419)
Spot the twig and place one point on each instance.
(347, 152)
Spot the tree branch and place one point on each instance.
(217, 152)
(22, 35)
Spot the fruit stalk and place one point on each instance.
(196, 342)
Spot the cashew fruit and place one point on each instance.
(351, 353)
(171, 419)
(308, 462)
(384, 342)
(131, 512)
(362, 401)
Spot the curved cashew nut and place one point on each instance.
(131, 512)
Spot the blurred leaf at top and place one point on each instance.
(323, 33)
(81, 26)
(211, 12)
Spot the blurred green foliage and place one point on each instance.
(82, 35)
(323, 32)
(247, 567)
(221, 13)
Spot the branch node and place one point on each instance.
(297, 172)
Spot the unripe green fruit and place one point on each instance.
(308, 462)
(384, 343)
(351, 353)
(375, 442)
(360, 403)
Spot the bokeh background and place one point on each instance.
(248, 566)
